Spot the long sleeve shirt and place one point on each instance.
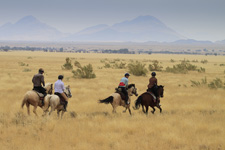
(59, 86)
(123, 82)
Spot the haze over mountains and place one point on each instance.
(140, 29)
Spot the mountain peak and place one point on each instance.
(28, 19)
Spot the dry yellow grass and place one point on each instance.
(192, 118)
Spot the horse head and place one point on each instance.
(160, 90)
(49, 88)
(132, 89)
(67, 91)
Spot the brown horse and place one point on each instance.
(116, 100)
(53, 101)
(32, 98)
(146, 99)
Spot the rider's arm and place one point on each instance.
(42, 80)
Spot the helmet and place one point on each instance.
(60, 77)
(127, 74)
(153, 74)
(41, 70)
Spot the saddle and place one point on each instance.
(41, 96)
(118, 90)
(154, 97)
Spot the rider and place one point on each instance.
(124, 85)
(59, 90)
(37, 80)
(152, 86)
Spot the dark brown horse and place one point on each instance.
(146, 99)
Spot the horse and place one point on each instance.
(32, 98)
(116, 100)
(147, 99)
(53, 101)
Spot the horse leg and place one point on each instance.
(159, 108)
(58, 111)
(28, 108)
(125, 110)
(62, 114)
(153, 110)
(34, 110)
(114, 109)
(143, 109)
(146, 109)
(129, 111)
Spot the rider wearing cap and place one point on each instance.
(124, 85)
(59, 90)
(38, 81)
(152, 86)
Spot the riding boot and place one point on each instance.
(65, 105)
(126, 100)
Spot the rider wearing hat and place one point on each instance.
(124, 85)
(59, 90)
(152, 86)
(38, 81)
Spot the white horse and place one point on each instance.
(116, 100)
(53, 101)
(32, 98)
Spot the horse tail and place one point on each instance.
(138, 102)
(24, 102)
(107, 100)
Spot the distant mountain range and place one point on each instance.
(141, 29)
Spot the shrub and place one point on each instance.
(204, 61)
(22, 64)
(222, 64)
(67, 65)
(200, 70)
(216, 83)
(120, 65)
(155, 66)
(197, 83)
(137, 69)
(26, 70)
(183, 67)
(83, 72)
(107, 65)
(172, 60)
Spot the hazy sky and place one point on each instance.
(197, 19)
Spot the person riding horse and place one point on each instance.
(59, 90)
(152, 86)
(123, 86)
(38, 81)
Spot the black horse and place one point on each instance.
(146, 99)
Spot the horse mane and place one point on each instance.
(160, 86)
(131, 85)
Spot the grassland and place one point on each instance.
(193, 118)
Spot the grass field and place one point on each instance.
(193, 118)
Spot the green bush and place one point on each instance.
(216, 83)
(200, 70)
(67, 65)
(120, 65)
(137, 69)
(22, 64)
(107, 65)
(26, 70)
(83, 72)
(198, 83)
(183, 67)
(172, 60)
(155, 66)
(204, 61)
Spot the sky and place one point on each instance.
(194, 19)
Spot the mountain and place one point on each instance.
(140, 29)
(220, 42)
(29, 28)
(191, 41)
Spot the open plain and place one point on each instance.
(193, 118)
